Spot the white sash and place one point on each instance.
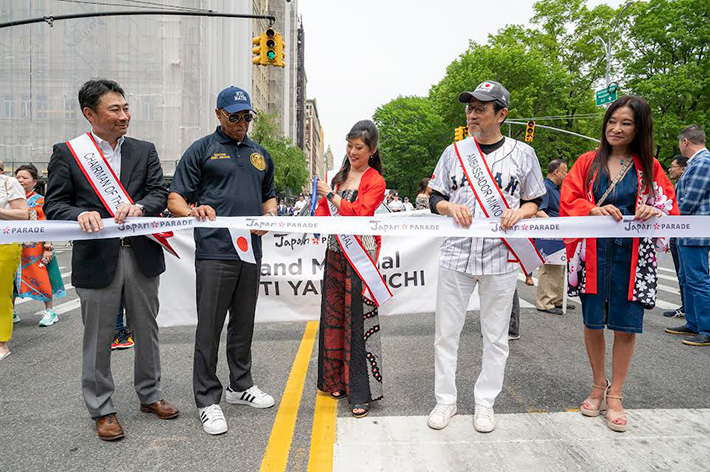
(98, 172)
(492, 201)
(361, 262)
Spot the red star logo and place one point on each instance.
(154, 224)
(524, 227)
(404, 226)
(6, 230)
(656, 226)
(282, 224)
(315, 241)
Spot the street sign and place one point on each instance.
(606, 95)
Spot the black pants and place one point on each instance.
(222, 286)
(676, 264)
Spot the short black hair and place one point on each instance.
(91, 92)
(693, 133)
(554, 165)
(681, 160)
(30, 168)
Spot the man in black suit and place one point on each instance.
(108, 272)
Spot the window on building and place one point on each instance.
(147, 109)
(25, 106)
(42, 104)
(8, 106)
(70, 107)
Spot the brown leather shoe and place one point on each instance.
(108, 428)
(163, 409)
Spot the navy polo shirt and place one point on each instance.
(551, 200)
(233, 178)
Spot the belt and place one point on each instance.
(125, 242)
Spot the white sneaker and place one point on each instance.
(483, 419)
(213, 421)
(252, 396)
(49, 317)
(441, 415)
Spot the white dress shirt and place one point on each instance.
(113, 156)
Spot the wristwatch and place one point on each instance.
(330, 196)
(141, 207)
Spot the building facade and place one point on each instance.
(171, 68)
(313, 140)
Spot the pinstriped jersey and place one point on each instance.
(516, 170)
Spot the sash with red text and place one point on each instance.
(490, 197)
(98, 172)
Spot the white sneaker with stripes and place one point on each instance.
(252, 397)
(212, 418)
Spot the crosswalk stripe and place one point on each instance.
(68, 306)
(667, 277)
(64, 274)
(672, 271)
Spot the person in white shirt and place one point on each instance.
(467, 262)
(408, 205)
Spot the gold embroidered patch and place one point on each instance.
(257, 160)
(219, 155)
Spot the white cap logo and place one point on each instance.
(240, 97)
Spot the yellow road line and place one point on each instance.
(320, 458)
(276, 455)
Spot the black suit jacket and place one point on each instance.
(69, 194)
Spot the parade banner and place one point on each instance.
(292, 267)
(415, 226)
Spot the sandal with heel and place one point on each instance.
(593, 412)
(338, 395)
(614, 415)
(361, 406)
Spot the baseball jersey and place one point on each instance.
(516, 170)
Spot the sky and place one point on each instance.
(360, 55)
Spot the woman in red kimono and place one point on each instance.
(616, 278)
(349, 352)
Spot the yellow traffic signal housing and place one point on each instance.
(280, 48)
(529, 131)
(460, 133)
(259, 50)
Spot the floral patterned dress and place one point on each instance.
(349, 349)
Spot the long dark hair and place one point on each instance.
(367, 131)
(641, 146)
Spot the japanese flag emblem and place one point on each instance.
(487, 86)
(241, 238)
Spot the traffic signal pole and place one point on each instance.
(50, 19)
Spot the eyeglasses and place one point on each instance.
(477, 109)
(234, 117)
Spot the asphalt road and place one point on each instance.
(44, 424)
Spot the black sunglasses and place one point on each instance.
(234, 117)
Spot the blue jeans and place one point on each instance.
(695, 280)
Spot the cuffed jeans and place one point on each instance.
(695, 280)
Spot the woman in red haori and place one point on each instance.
(616, 278)
(349, 351)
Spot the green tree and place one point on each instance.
(412, 137)
(290, 167)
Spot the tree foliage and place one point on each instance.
(552, 68)
(290, 166)
(412, 136)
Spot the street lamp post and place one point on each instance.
(608, 43)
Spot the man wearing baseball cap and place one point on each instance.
(488, 263)
(226, 174)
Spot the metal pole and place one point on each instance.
(51, 19)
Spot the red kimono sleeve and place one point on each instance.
(573, 197)
(369, 196)
(666, 187)
(321, 209)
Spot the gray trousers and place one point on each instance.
(224, 286)
(139, 295)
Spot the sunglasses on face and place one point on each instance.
(235, 117)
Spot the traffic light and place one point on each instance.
(460, 133)
(259, 50)
(268, 49)
(529, 131)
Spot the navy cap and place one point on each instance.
(233, 99)
(488, 91)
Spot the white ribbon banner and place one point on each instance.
(421, 226)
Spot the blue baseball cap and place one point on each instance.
(233, 100)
